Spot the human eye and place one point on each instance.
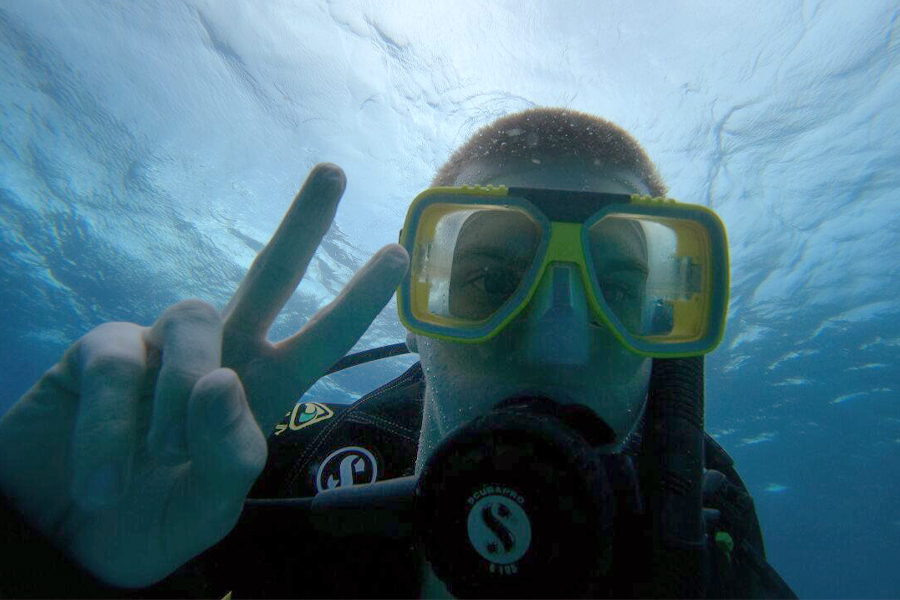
(621, 288)
(618, 293)
(492, 281)
(624, 297)
(483, 281)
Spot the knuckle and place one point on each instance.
(188, 315)
(112, 329)
(196, 311)
(112, 365)
(184, 377)
(103, 436)
(113, 337)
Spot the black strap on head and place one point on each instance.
(351, 360)
(568, 205)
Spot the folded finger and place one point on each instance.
(280, 266)
(189, 336)
(111, 375)
(228, 450)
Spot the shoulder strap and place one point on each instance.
(736, 539)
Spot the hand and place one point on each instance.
(136, 451)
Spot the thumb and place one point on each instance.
(227, 452)
(227, 448)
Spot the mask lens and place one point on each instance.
(619, 253)
(470, 261)
(653, 274)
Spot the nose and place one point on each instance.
(556, 328)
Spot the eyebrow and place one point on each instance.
(488, 251)
(624, 264)
(484, 245)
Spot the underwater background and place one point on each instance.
(149, 149)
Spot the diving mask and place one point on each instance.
(655, 271)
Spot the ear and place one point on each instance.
(412, 342)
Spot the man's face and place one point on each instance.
(534, 354)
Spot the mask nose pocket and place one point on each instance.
(556, 332)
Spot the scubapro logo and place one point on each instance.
(352, 465)
(499, 528)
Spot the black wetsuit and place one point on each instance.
(319, 446)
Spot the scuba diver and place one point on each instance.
(549, 442)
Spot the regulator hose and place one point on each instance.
(671, 472)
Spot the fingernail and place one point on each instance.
(327, 181)
(397, 256)
(331, 173)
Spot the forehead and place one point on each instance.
(569, 173)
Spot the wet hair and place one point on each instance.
(553, 133)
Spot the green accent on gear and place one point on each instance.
(725, 543)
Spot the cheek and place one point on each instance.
(460, 385)
(504, 358)
(447, 359)
(618, 366)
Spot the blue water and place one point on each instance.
(149, 149)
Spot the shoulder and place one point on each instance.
(733, 500)
(320, 445)
(738, 549)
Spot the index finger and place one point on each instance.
(280, 266)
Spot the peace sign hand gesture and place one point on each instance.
(136, 451)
